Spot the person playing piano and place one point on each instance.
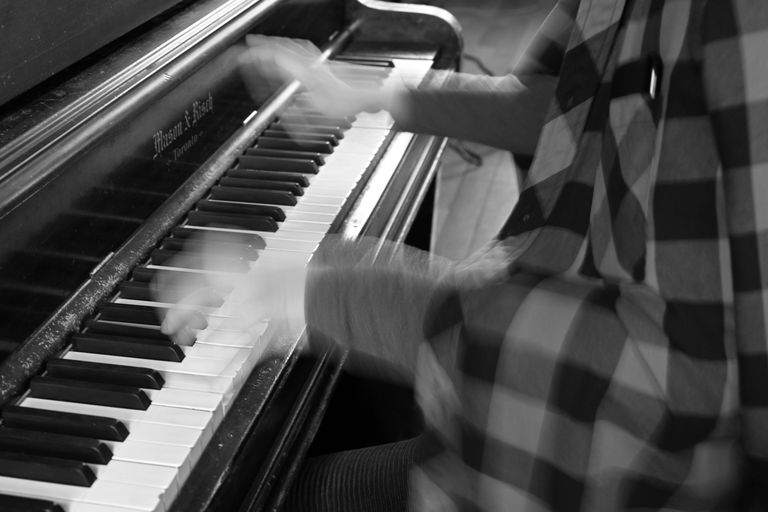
(608, 350)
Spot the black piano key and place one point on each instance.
(121, 329)
(372, 63)
(193, 261)
(103, 372)
(19, 504)
(136, 290)
(248, 249)
(328, 138)
(271, 163)
(124, 346)
(46, 469)
(247, 183)
(232, 220)
(70, 390)
(318, 158)
(83, 425)
(60, 446)
(253, 195)
(298, 127)
(255, 210)
(132, 313)
(160, 257)
(253, 174)
(95, 336)
(294, 144)
(140, 274)
(310, 120)
(187, 234)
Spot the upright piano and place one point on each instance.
(107, 169)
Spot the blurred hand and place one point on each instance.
(240, 294)
(268, 62)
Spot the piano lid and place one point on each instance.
(40, 38)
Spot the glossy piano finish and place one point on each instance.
(100, 187)
(39, 42)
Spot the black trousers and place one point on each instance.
(370, 438)
(370, 479)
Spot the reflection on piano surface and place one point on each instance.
(107, 172)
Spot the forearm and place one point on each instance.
(504, 112)
(374, 302)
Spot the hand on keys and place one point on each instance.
(216, 279)
(269, 62)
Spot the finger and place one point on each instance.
(260, 74)
(183, 324)
(303, 48)
(186, 336)
(187, 312)
(203, 298)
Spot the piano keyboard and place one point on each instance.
(120, 418)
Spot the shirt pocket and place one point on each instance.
(622, 197)
(634, 113)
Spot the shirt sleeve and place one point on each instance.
(479, 107)
(735, 73)
(372, 296)
(544, 54)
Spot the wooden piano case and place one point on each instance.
(99, 166)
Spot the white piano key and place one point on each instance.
(165, 434)
(364, 129)
(331, 190)
(164, 478)
(330, 184)
(324, 212)
(173, 456)
(214, 375)
(381, 119)
(161, 414)
(102, 492)
(187, 399)
(266, 235)
(336, 184)
(339, 170)
(277, 257)
(221, 385)
(190, 365)
(310, 227)
(305, 213)
(220, 334)
(277, 244)
(70, 506)
(209, 351)
(328, 200)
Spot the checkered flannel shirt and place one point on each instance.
(620, 361)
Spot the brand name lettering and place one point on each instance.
(164, 138)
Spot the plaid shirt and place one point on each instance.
(620, 359)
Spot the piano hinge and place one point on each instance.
(101, 263)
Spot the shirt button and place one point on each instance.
(526, 218)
